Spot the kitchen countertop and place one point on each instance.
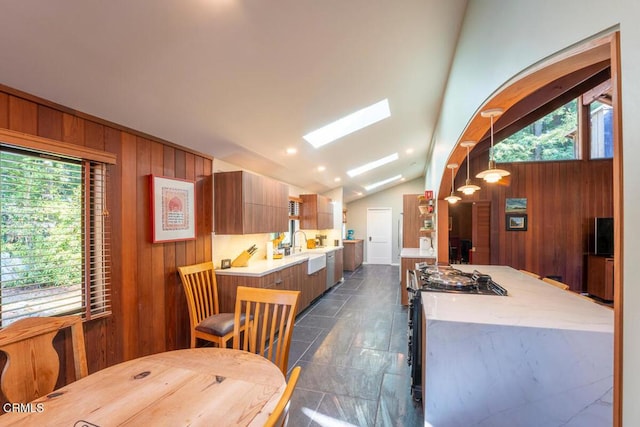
(416, 253)
(530, 303)
(261, 267)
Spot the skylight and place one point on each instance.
(372, 165)
(349, 124)
(381, 183)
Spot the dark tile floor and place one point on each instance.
(352, 347)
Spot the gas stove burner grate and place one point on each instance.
(449, 279)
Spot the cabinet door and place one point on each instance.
(411, 221)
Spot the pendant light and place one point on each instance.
(452, 198)
(468, 189)
(492, 174)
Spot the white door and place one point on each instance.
(379, 232)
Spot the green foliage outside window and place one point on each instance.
(552, 137)
(40, 230)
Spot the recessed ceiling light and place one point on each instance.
(321, 168)
(409, 151)
(337, 179)
(291, 150)
(349, 124)
(372, 165)
(358, 193)
(381, 183)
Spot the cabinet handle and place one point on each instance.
(278, 281)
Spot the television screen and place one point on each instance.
(603, 233)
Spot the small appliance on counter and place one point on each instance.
(273, 250)
(321, 240)
(242, 260)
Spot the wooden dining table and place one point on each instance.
(193, 387)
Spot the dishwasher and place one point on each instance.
(331, 268)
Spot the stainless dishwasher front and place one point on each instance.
(331, 268)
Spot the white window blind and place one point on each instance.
(54, 236)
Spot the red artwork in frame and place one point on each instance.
(173, 209)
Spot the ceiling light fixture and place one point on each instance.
(372, 165)
(381, 183)
(291, 150)
(349, 124)
(468, 188)
(452, 198)
(321, 168)
(492, 174)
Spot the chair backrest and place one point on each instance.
(280, 415)
(32, 364)
(201, 289)
(528, 273)
(555, 283)
(268, 312)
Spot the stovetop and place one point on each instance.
(448, 279)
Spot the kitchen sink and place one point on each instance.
(316, 262)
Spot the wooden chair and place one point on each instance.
(272, 312)
(206, 321)
(280, 415)
(32, 364)
(528, 273)
(556, 283)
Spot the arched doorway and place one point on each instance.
(591, 56)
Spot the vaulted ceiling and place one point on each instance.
(243, 81)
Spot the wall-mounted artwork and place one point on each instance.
(516, 205)
(173, 210)
(516, 222)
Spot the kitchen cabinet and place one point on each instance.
(290, 278)
(316, 212)
(418, 219)
(411, 221)
(245, 203)
(600, 277)
(353, 254)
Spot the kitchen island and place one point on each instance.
(540, 356)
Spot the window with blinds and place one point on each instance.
(54, 236)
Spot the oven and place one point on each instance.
(431, 278)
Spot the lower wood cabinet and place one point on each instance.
(600, 277)
(293, 278)
(353, 254)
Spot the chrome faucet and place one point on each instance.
(293, 240)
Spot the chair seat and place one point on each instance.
(219, 324)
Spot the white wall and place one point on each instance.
(630, 53)
(391, 198)
(501, 38)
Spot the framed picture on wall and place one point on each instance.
(173, 210)
(516, 222)
(514, 205)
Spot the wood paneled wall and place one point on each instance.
(562, 200)
(149, 309)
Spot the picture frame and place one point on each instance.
(516, 222)
(515, 205)
(173, 209)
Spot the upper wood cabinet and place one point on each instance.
(246, 203)
(316, 212)
(411, 221)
